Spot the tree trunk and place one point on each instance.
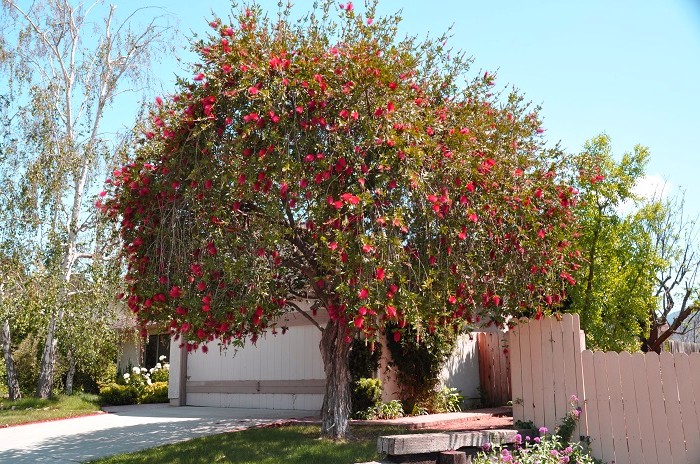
(12, 383)
(44, 388)
(68, 390)
(336, 402)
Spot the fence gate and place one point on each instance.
(637, 408)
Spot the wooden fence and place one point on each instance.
(494, 368)
(637, 408)
(674, 346)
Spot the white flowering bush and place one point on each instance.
(139, 385)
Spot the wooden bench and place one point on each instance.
(444, 447)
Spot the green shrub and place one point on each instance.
(366, 394)
(364, 359)
(157, 392)
(448, 400)
(418, 358)
(116, 395)
(391, 410)
(26, 358)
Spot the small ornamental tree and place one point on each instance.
(329, 160)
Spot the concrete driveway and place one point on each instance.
(125, 429)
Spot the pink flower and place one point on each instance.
(252, 90)
(363, 294)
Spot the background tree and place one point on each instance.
(675, 240)
(329, 160)
(615, 291)
(63, 83)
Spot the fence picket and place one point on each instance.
(617, 412)
(658, 410)
(579, 347)
(537, 364)
(694, 374)
(646, 429)
(673, 409)
(590, 400)
(691, 428)
(550, 418)
(516, 374)
(629, 402)
(561, 395)
(603, 398)
(526, 356)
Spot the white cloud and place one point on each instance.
(653, 186)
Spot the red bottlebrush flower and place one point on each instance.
(379, 273)
(201, 286)
(452, 299)
(199, 77)
(363, 294)
(241, 179)
(362, 311)
(175, 292)
(211, 248)
(397, 337)
(350, 198)
(390, 107)
(473, 217)
(252, 90)
(181, 311)
(391, 311)
(462, 234)
(333, 246)
(541, 233)
(359, 321)
(159, 101)
(367, 248)
(208, 184)
(538, 193)
(205, 348)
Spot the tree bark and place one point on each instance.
(44, 388)
(12, 383)
(336, 402)
(70, 374)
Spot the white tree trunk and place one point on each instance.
(68, 390)
(6, 341)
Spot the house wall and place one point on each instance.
(278, 372)
(286, 371)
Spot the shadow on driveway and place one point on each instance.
(126, 429)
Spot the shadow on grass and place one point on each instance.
(292, 444)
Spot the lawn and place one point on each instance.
(292, 444)
(29, 410)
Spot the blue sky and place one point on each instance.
(627, 68)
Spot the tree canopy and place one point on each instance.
(328, 159)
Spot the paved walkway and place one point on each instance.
(126, 429)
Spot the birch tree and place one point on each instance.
(65, 64)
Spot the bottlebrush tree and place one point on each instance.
(330, 160)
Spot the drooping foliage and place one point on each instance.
(330, 159)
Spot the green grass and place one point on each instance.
(292, 444)
(29, 410)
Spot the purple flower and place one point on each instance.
(537, 439)
(486, 447)
(543, 430)
(518, 438)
